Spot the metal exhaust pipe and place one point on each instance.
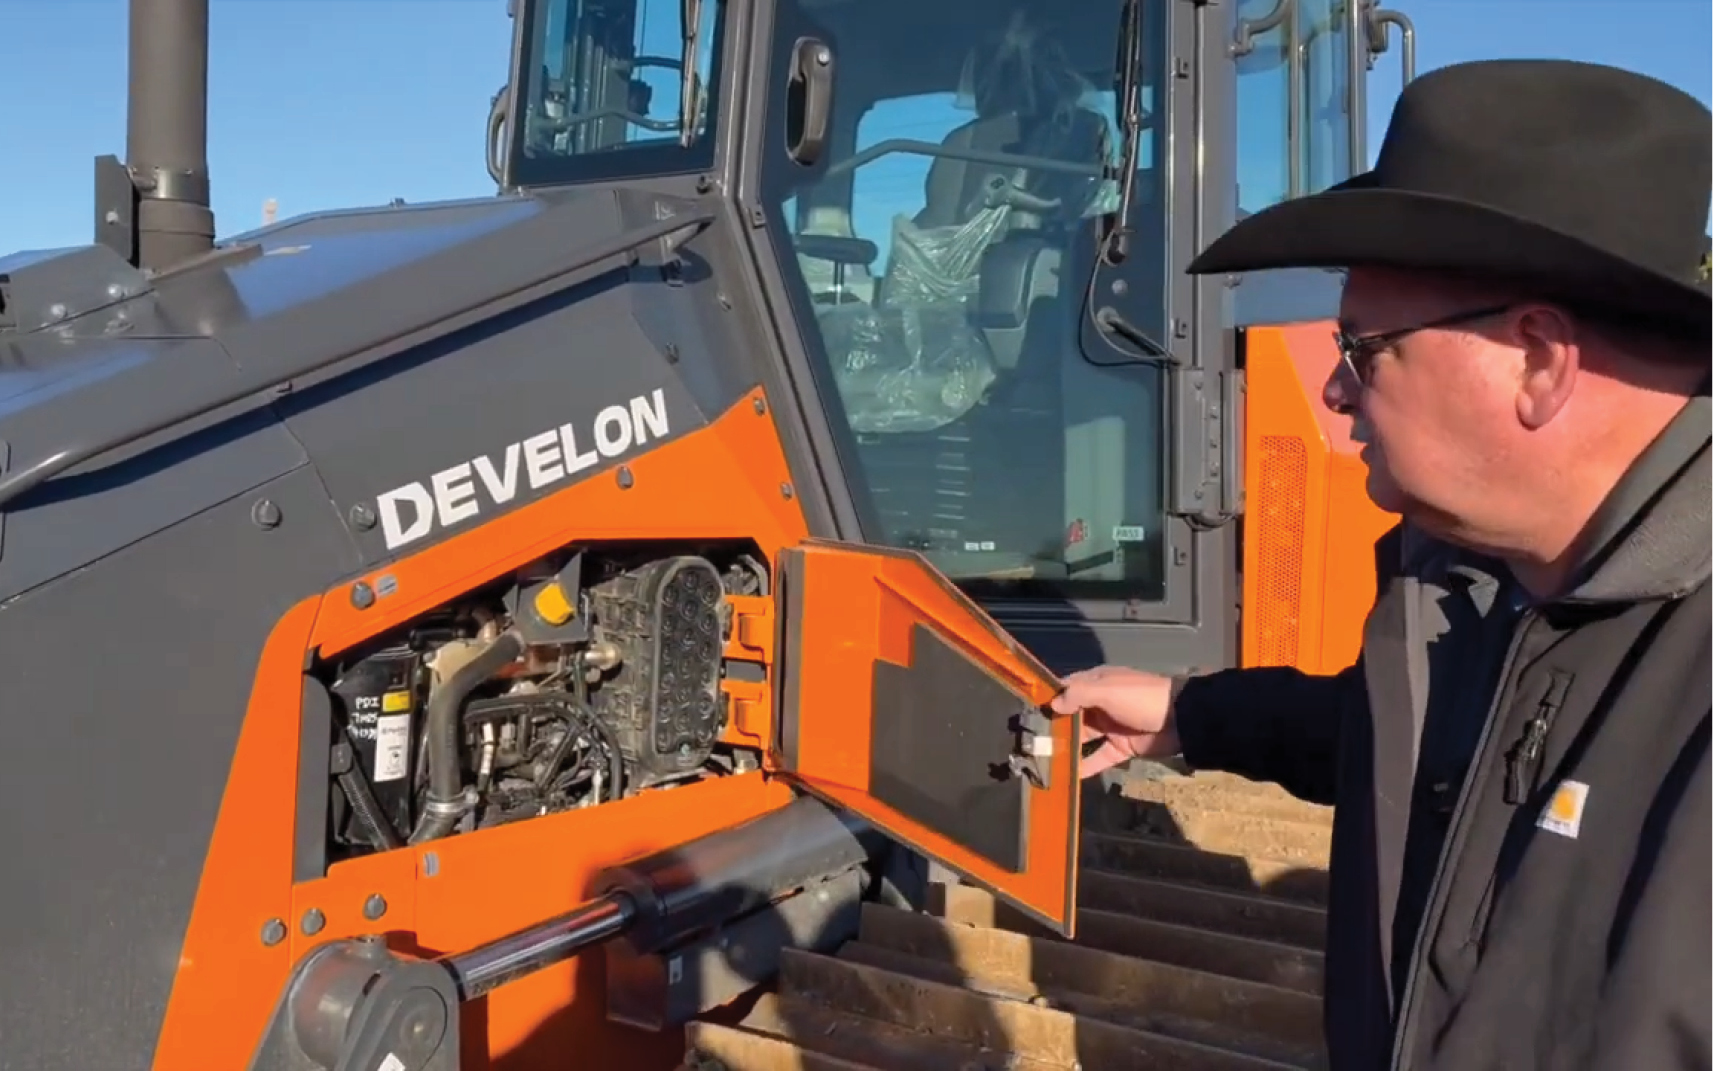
(166, 131)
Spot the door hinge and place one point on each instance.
(1206, 486)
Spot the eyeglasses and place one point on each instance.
(1357, 352)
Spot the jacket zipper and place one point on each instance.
(1432, 909)
(1525, 754)
(1521, 765)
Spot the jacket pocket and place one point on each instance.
(1483, 909)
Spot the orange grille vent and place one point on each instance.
(1281, 508)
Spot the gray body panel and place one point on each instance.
(343, 288)
(138, 589)
(125, 689)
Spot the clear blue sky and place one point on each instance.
(336, 103)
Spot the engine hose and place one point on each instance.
(577, 713)
(562, 750)
(368, 811)
(445, 803)
(615, 760)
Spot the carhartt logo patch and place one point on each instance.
(1563, 813)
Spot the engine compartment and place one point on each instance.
(587, 676)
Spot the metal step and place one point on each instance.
(1200, 925)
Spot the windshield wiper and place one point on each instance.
(689, 85)
(1112, 321)
(1117, 245)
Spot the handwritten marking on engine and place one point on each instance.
(460, 492)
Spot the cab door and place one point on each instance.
(901, 700)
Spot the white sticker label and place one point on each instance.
(391, 1063)
(1129, 533)
(392, 747)
(460, 493)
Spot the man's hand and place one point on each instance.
(1128, 707)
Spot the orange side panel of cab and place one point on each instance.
(727, 480)
(1310, 527)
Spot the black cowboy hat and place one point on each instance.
(1588, 183)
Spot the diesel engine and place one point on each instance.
(584, 677)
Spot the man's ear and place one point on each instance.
(1551, 361)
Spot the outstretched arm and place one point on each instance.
(1268, 724)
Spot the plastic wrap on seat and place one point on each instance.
(915, 362)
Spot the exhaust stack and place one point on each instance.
(166, 135)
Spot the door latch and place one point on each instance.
(1032, 757)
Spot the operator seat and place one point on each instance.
(1028, 101)
(1011, 447)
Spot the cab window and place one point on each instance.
(944, 253)
(1293, 99)
(615, 88)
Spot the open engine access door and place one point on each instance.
(900, 699)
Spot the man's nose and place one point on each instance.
(1337, 392)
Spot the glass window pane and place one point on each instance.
(1264, 171)
(1270, 167)
(947, 252)
(604, 89)
(1327, 101)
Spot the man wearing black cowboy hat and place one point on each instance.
(1520, 872)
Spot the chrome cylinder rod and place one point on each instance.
(492, 965)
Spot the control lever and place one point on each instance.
(1001, 192)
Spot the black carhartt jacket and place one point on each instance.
(1567, 928)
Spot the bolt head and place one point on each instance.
(266, 513)
(313, 921)
(362, 517)
(362, 595)
(626, 479)
(374, 907)
(273, 932)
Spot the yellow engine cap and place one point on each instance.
(552, 605)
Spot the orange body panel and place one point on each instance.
(1308, 583)
(1308, 551)
(751, 723)
(227, 978)
(728, 480)
(873, 601)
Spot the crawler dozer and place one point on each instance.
(610, 623)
